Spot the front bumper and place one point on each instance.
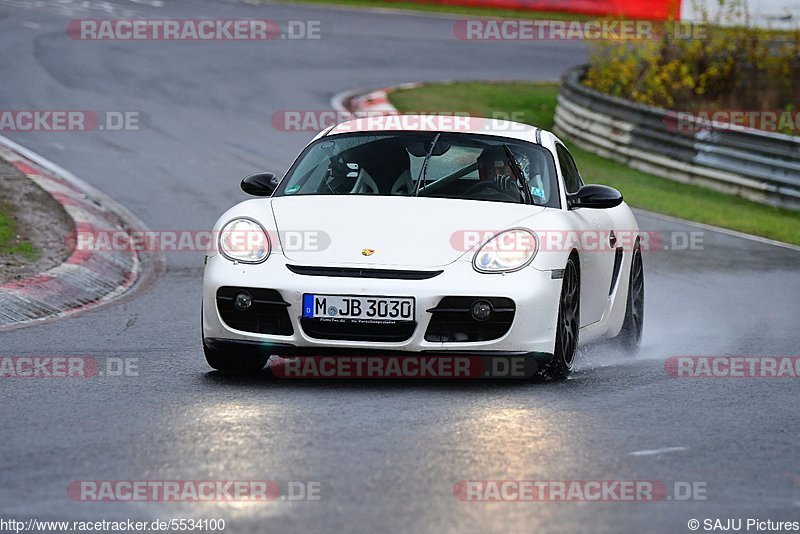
(535, 294)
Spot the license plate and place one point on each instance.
(357, 307)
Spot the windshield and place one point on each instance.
(462, 166)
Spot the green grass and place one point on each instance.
(531, 103)
(534, 103)
(9, 244)
(448, 9)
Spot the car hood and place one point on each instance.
(400, 231)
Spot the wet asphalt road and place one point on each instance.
(386, 453)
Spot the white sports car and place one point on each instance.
(395, 238)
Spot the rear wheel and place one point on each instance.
(567, 324)
(630, 337)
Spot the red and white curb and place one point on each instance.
(375, 102)
(87, 278)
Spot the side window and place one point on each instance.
(572, 180)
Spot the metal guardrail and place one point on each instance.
(760, 166)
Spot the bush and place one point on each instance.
(723, 66)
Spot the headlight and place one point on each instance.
(244, 240)
(507, 251)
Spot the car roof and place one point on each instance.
(444, 123)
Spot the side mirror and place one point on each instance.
(260, 184)
(594, 196)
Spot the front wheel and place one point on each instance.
(567, 324)
(227, 362)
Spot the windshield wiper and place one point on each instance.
(523, 185)
(424, 170)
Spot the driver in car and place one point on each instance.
(493, 165)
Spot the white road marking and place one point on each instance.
(651, 452)
(719, 229)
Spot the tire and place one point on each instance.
(238, 364)
(567, 323)
(229, 363)
(629, 338)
